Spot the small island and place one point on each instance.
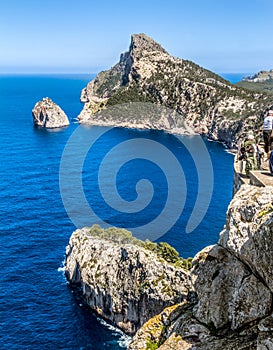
(48, 114)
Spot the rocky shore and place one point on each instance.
(125, 280)
(260, 77)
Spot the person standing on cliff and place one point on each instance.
(249, 152)
(267, 133)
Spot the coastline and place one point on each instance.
(174, 131)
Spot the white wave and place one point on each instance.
(124, 340)
(61, 269)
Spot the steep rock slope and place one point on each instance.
(234, 284)
(123, 279)
(147, 73)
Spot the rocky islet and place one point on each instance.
(48, 114)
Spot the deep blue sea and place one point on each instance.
(38, 310)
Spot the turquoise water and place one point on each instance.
(38, 310)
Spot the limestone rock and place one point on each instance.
(249, 231)
(260, 77)
(229, 294)
(147, 73)
(49, 115)
(120, 279)
(233, 285)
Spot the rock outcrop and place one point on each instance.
(147, 73)
(260, 77)
(233, 283)
(48, 114)
(123, 279)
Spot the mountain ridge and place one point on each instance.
(206, 102)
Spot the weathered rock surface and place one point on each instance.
(49, 115)
(120, 279)
(233, 282)
(147, 73)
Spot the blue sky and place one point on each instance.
(87, 36)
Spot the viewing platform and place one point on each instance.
(260, 178)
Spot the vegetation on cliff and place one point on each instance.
(207, 102)
(163, 250)
(123, 279)
(265, 87)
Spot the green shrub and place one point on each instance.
(150, 345)
(163, 250)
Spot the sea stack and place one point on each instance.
(48, 114)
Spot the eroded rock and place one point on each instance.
(121, 280)
(233, 285)
(48, 114)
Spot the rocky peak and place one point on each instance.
(147, 73)
(141, 43)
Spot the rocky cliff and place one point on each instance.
(48, 114)
(233, 284)
(125, 280)
(261, 82)
(203, 100)
(260, 77)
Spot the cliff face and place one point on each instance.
(147, 73)
(49, 115)
(121, 279)
(234, 284)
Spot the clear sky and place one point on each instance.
(87, 36)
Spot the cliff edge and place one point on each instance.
(234, 285)
(123, 279)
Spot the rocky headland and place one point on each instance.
(147, 73)
(261, 82)
(260, 77)
(223, 302)
(48, 114)
(123, 279)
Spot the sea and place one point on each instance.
(38, 309)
